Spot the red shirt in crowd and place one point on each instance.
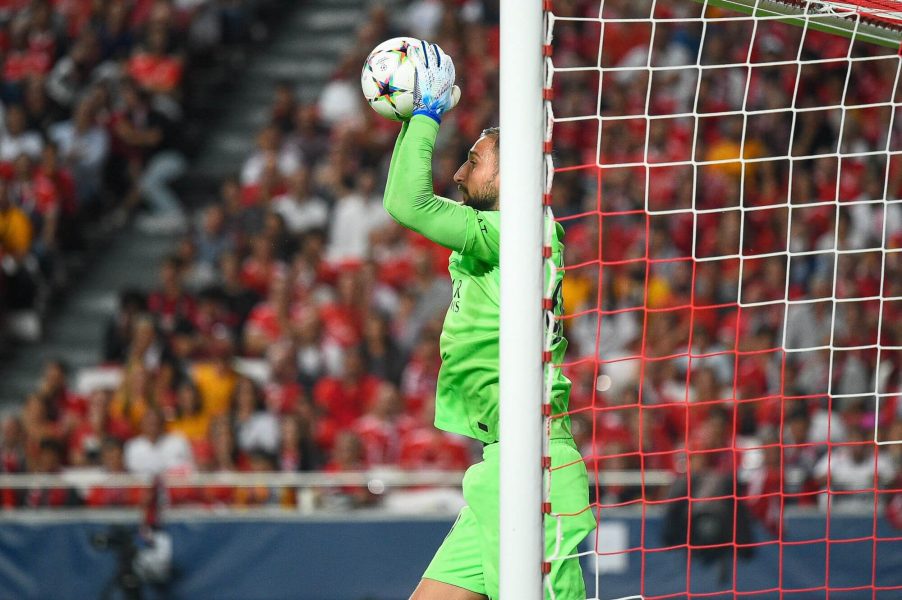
(22, 64)
(382, 438)
(160, 74)
(170, 309)
(283, 397)
(342, 403)
(430, 448)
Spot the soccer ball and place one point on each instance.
(388, 78)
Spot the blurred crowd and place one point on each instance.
(295, 326)
(92, 109)
(754, 392)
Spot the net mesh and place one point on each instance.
(730, 189)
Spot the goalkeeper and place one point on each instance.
(466, 565)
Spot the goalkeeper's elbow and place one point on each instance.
(393, 205)
(405, 209)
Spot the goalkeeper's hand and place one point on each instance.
(434, 92)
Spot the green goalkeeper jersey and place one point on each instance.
(466, 400)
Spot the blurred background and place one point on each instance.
(198, 279)
(205, 250)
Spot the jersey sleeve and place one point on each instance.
(410, 199)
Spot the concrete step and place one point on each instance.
(322, 19)
(251, 120)
(225, 143)
(278, 67)
(326, 46)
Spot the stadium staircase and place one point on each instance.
(232, 98)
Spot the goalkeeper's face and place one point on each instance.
(477, 178)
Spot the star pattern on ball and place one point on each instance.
(403, 50)
(387, 90)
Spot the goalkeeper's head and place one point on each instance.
(477, 178)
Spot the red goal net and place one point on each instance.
(730, 184)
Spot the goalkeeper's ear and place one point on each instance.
(455, 97)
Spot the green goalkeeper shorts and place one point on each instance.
(468, 557)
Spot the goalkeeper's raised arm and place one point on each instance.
(409, 196)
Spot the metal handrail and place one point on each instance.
(389, 478)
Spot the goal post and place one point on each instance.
(521, 419)
(729, 177)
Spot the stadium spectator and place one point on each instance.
(222, 455)
(383, 426)
(342, 400)
(853, 466)
(88, 433)
(20, 271)
(50, 459)
(342, 314)
(381, 353)
(358, 210)
(116, 39)
(144, 150)
(340, 102)
(284, 393)
(301, 209)
(427, 294)
(153, 451)
(764, 486)
(256, 430)
(702, 513)
(119, 328)
(271, 320)
(213, 239)
(84, 148)
(216, 378)
(318, 356)
(66, 407)
(426, 447)
(275, 231)
(421, 372)
(284, 106)
(156, 65)
(239, 299)
(347, 456)
(187, 415)
(148, 346)
(272, 150)
(800, 454)
(12, 445)
(133, 397)
(261, 267)
(38, 424)
(309, 133)
(260, 461)
(297, 448)
(17, 139)
(170, 303)
(112, 461)
(72, 75)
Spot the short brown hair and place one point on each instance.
(495, 134)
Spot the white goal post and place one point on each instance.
(521, 420)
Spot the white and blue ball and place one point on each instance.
(388, 78)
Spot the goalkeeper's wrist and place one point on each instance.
(428, 112)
